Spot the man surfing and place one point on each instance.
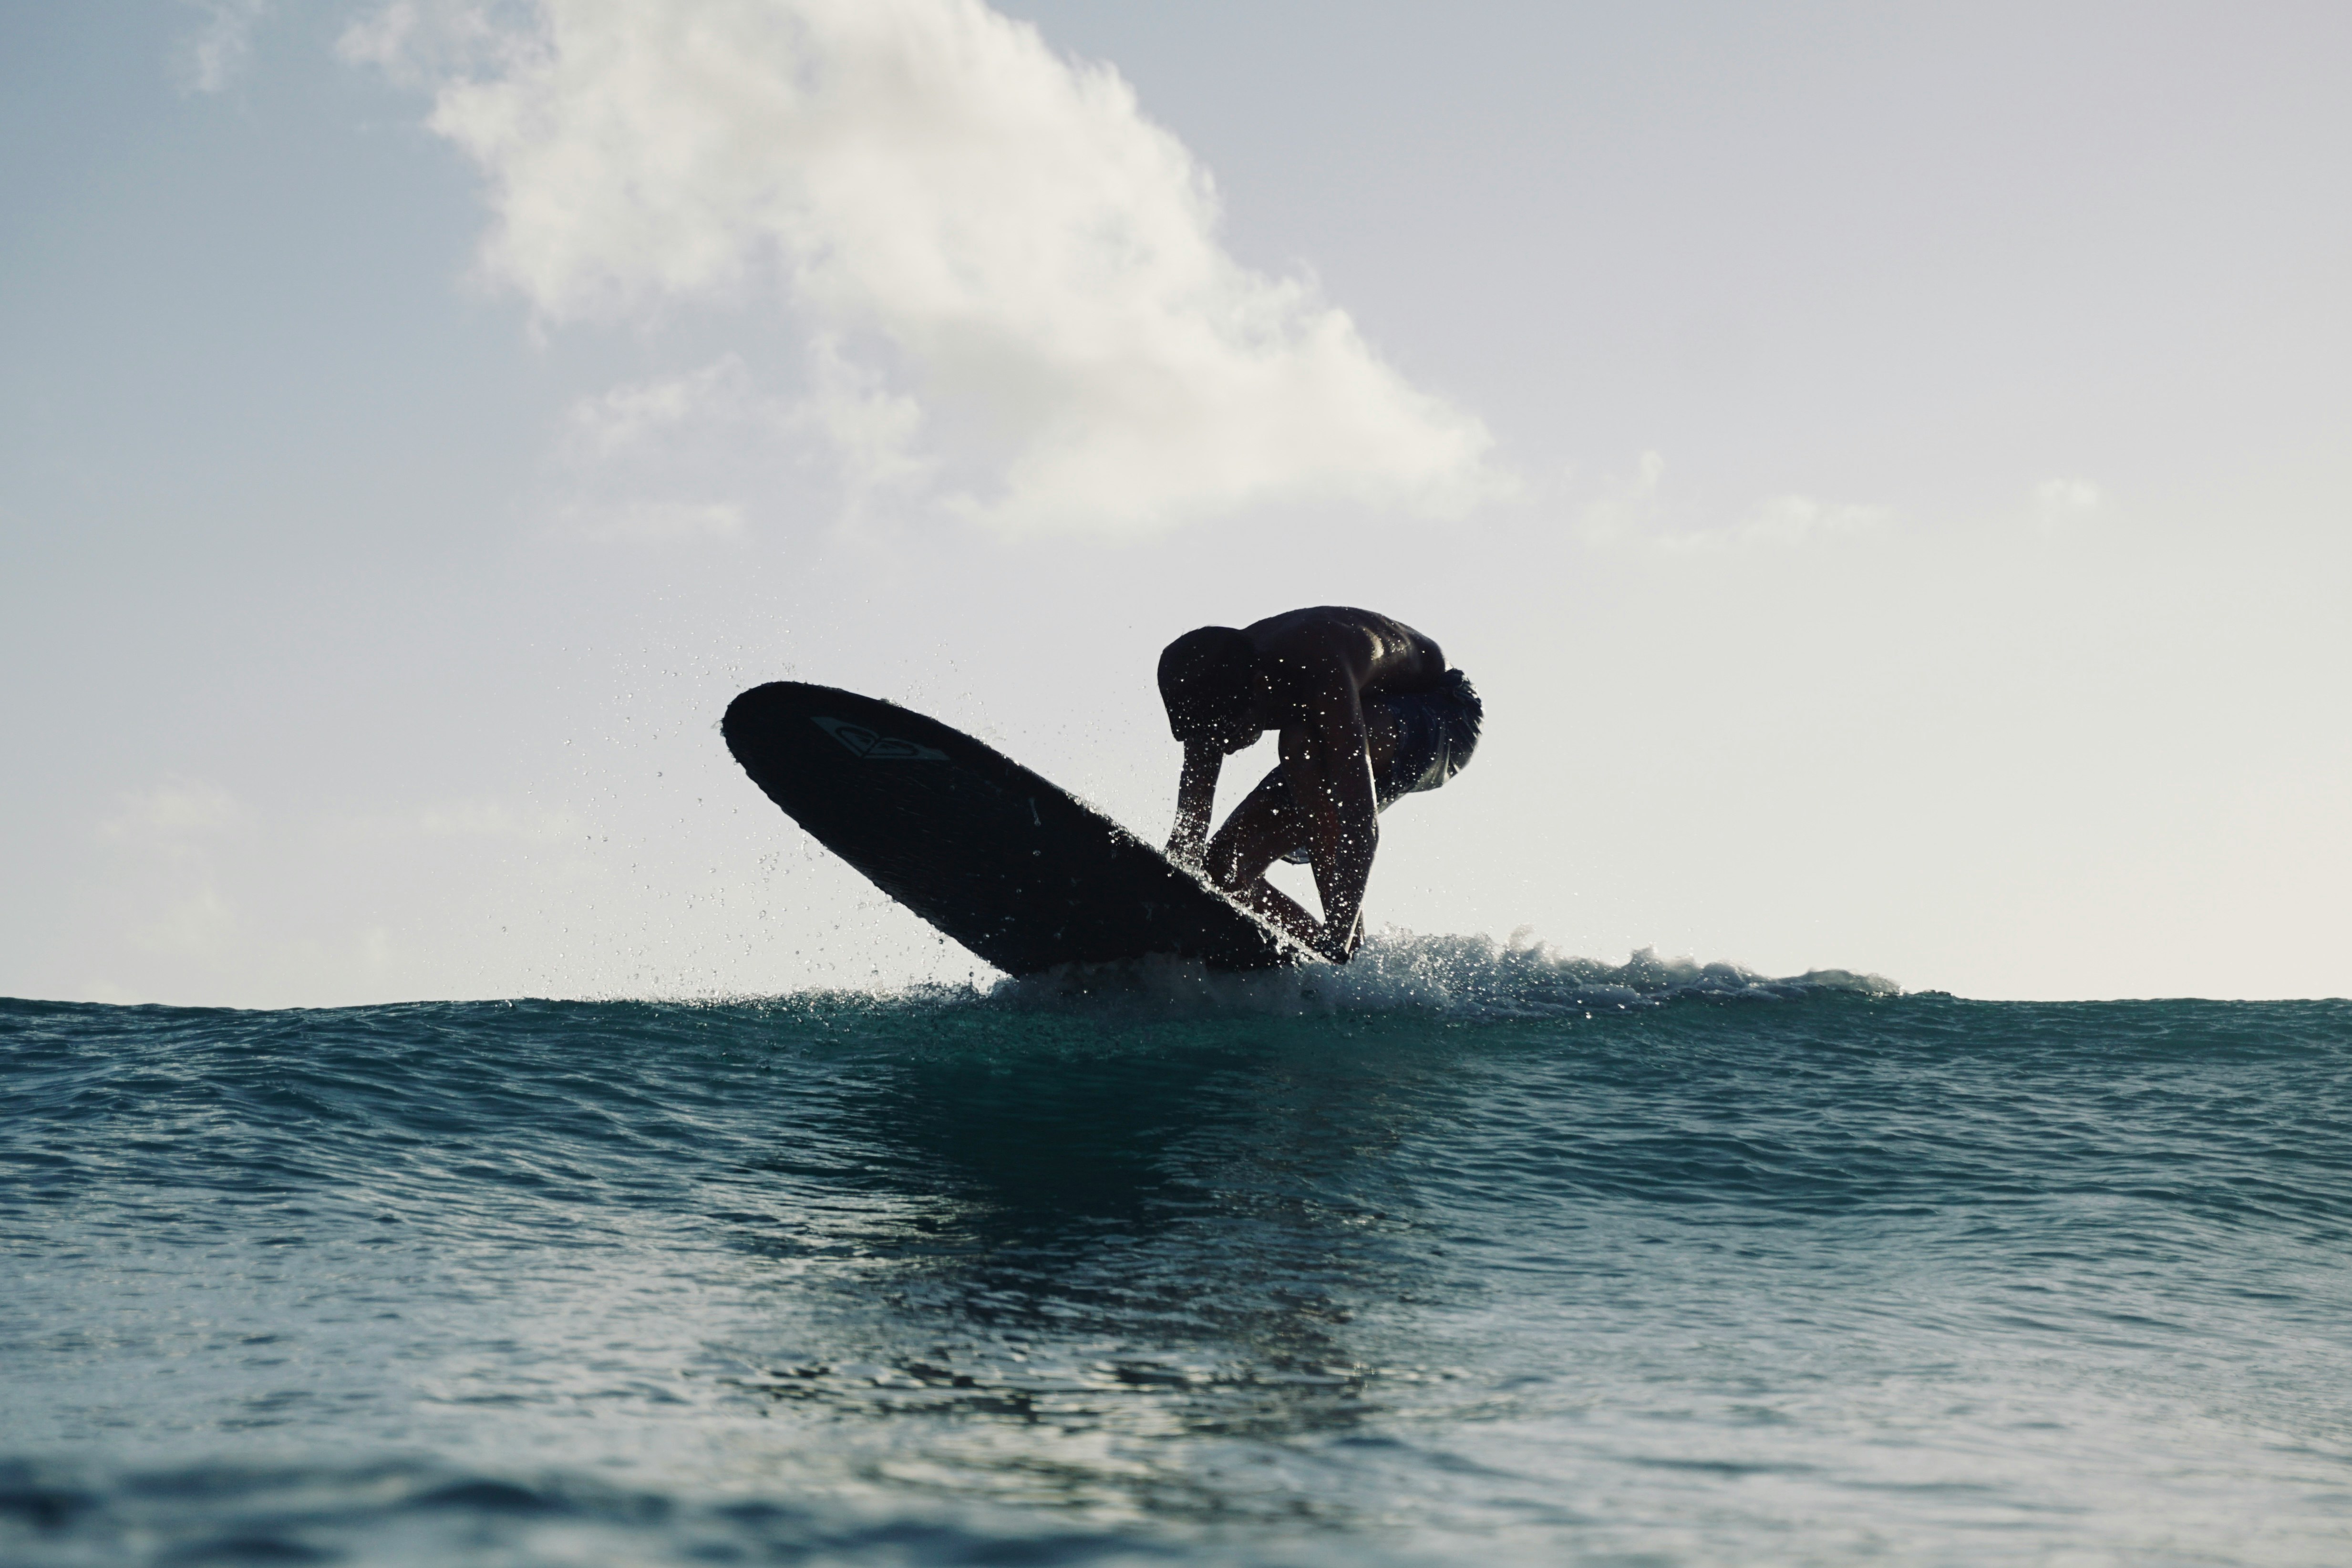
(1367, 711)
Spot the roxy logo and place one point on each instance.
(863, 741)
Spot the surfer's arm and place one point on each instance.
(1196, 798)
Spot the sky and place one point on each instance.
(1884, 468)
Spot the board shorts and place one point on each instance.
(1436, 731)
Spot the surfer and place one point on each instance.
(1367, 711)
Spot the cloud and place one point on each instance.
(1790, 522)
(221, 47)
(1635, 507)
(637, 418)
(994, 244)
(2058, 502)
(679, 456)
(202, 922)
(172, 815)
(871, 431)
(670, 457)
(169, 831)
(1627, 506)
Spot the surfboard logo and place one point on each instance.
(876, 748)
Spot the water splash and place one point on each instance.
(1466, 977)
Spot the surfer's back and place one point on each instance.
(1379, 653)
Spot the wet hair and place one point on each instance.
(1204, 680)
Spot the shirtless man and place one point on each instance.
(1368, 711)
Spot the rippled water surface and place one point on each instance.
(1538, 1263)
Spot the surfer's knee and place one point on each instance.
(1222, 864)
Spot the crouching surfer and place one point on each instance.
(1367, 711)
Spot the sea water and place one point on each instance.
(1466, 1254)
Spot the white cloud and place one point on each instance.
(1627, 506)
(2057, 501)
(222, 44)
(1790, 522)
(1635, 507)
(168, 833)
(871, 431)
(670, 457)
(202, 922)
(999, 229)
(643, 418)
(174, 813)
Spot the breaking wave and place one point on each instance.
(1468, 977)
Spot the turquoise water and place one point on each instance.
(1467, 1255)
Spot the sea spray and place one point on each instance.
(1464, 977)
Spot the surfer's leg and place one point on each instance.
(1271, 904)
(1266, 825)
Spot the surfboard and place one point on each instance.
(992, 854)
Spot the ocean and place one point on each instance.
(1466, 1254)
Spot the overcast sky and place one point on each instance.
(1885, 468)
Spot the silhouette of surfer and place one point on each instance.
(1367, 711)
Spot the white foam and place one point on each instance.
(1399, 971)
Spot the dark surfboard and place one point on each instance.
(976, 844)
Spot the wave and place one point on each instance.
(1468, 977)
(406, 1511)
(1105, 1268)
